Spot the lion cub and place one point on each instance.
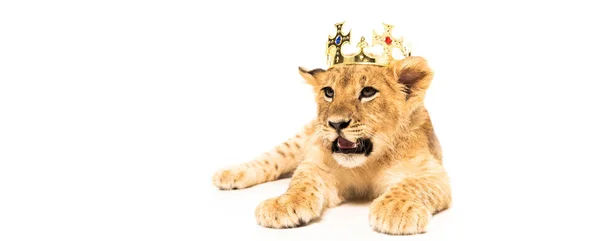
(373, 138)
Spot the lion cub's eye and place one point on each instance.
(328, 91)
(368, 93)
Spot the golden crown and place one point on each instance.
(336, 42)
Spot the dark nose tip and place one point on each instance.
(339, 125)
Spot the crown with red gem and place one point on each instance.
(386, 40)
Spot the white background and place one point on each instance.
(115, 114)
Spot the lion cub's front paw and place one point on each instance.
(288, 210)
(397, 216)
(236, 177)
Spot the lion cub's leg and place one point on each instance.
(269, 166)
(406, 207)
(311, 190)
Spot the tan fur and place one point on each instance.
(403, 174)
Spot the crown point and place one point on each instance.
(362, 43)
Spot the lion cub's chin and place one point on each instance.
(349, 160)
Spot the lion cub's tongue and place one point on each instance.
(346, 144)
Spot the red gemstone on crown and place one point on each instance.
(388, 40)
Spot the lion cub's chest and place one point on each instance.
(372, 182)
(357, 182)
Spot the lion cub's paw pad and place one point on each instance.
(233, 178)
(398, 217)
(287, 211)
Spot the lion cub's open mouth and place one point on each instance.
(361, 146)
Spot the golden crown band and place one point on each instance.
(335, 44)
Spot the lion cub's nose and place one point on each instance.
(339, 124)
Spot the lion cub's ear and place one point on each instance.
(414, 73)
(312, 77)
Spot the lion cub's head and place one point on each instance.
(363, 108)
